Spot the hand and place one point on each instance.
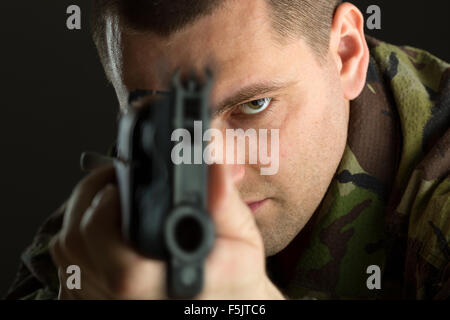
(235, 268)
(110, 269)
(91, 238)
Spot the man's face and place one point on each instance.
(308, 107)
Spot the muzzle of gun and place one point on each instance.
(163, 205)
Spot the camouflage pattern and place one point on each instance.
(37, 278)
(388, 204)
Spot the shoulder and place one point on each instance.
(37, 277)
(420, 85)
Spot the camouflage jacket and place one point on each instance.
(389, 202)
(387, 206)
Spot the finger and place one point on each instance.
(57, 254)
(232, 217)
(61, 261)
(86, 194)
(89, 278)
(126, 273)
(85, 191)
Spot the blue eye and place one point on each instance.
(255, 106)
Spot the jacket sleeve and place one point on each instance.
(37, 277)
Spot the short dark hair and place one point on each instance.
(310, 19)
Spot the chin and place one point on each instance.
(271, 249)
(275, 236)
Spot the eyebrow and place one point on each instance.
(249, 92)
(246, 93)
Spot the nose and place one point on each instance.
(237, 171)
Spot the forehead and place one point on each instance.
(236, 41)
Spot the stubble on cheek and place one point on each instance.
(293, 195)
(304, 176)
(279, 226)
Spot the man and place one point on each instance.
(363, 181)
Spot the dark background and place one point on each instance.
(55, 103)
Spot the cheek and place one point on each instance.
(312, 137)
(298, 128)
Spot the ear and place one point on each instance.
(349, 49)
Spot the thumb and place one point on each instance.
(231, 216)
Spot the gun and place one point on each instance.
(163, 205)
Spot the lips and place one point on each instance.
(254, 205)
